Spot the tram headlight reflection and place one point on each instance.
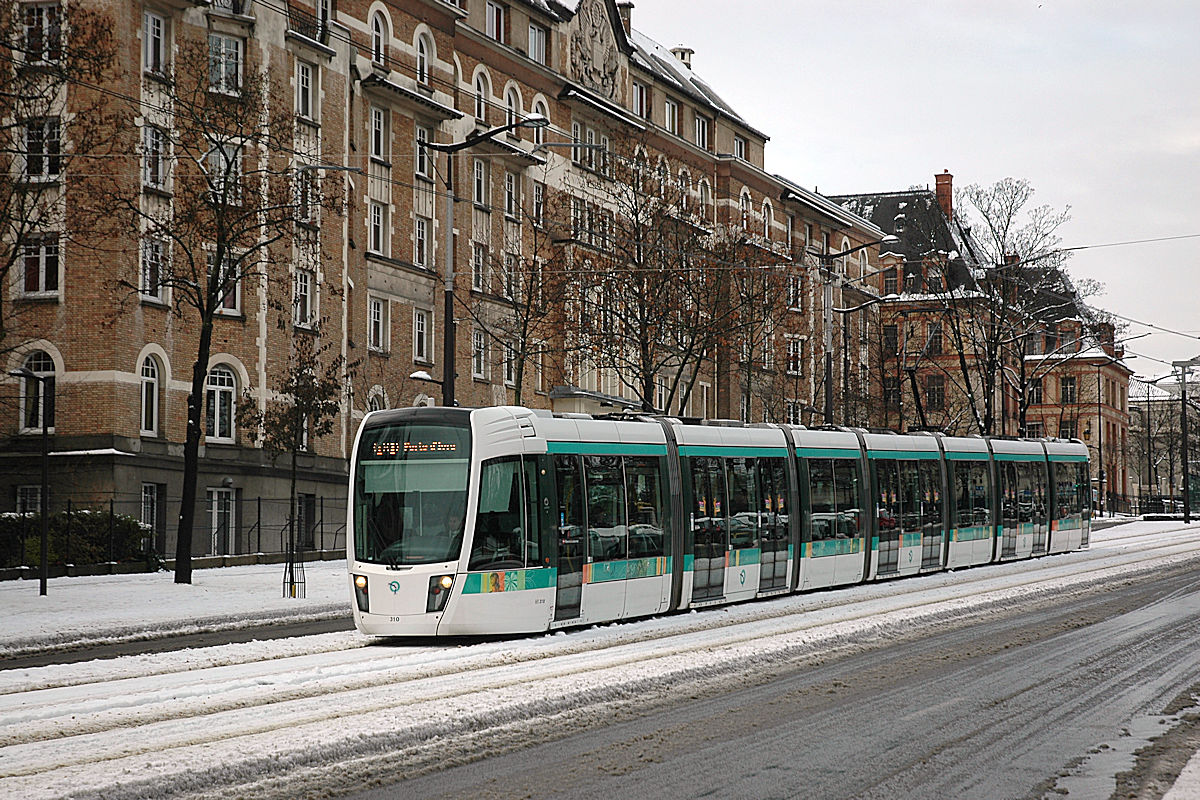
(360, 593)
(439, 592)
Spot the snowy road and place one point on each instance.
(334, 713)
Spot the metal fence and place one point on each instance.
(84, 531)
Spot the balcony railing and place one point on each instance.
(304, 23)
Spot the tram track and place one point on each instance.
(158, 713)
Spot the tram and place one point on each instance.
(512, 520)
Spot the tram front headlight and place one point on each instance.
(360, 593)
(439, 592)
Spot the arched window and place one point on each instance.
(481, 97)
(37, 393)
(150, 397)
(705, 198)
(512, 107)
(664, 178)
(768, 220)
(379, 36)
(376, 403)
(539, 134)
(745, 204)
(685, 189)
(219, 404)
(423, 50)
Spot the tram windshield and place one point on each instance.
(410, 493)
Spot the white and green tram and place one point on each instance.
(511, 520)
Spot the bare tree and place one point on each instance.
(991, 312)
(221, 197)
(523, 285)
(650, 297)
(307, 399)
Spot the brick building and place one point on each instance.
(968, 346)
(541, 217)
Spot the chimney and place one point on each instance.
(625, 10)
(945, 193)
(684, 54)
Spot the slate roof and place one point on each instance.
(915, 217)
(662, 63)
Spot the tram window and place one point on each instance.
(533, 491)
(773, 489)
(910, 496)
(890, 508)
(708, 505)
(1025, 491)
(971, 492)
(1083, 490)
(647, 507)
(569, 481)
(1009, 494)
(743, 502)
(1064, 491)
(833, 493)
(821, 498)
(1040, 479)
(931, 494)
(499, 522)
(606, 508)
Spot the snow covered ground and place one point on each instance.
(284, 717)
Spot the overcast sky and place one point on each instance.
(1095, 102)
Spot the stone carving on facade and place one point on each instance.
(595, 60)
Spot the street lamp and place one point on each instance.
(44, 500)
(825, 261)
(448, 327)
(1184, 367)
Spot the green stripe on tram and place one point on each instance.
(606, 448)
(969, 456)
(626, 569)
(732, 452)
(1036, 457)
(827, 452)
(511, 580)
(971, 533)
(906, 455)
(833, 547)
(1068, 457)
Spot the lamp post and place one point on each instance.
(44, 501)
(825, 261)
(448, 326)
(1184, 367)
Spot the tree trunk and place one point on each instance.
(191, 458)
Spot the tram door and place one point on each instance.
(569, 480)
(774, 528)
(710, 529)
